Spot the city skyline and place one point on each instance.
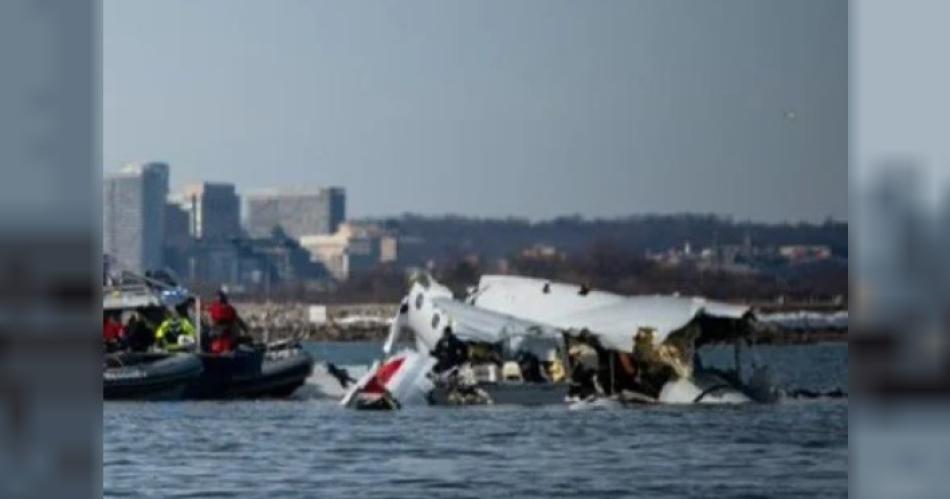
(250, 192)
(197, 233)
(528, 109)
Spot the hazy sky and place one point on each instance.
(491, 108)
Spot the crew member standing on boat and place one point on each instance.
(224, 324)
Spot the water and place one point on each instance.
(312, 448)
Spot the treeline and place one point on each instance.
(603, 265)
(606, 254)
(447, 238)
(606, 266)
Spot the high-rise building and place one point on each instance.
(133, 211)
(298, 213)
(177, 226)
(214, 210)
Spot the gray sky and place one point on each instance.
(491, 108)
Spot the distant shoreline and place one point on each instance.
(369, 322)
(378, 334)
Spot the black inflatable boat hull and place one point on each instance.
(149, 376)
(250, 374)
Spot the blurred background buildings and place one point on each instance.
(298, 213)
(902, 280)
(298, 242)
(196, 235)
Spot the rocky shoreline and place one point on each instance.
(370, 322)
(357, 322)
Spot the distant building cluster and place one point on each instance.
(301, 240)
(198, 234)
(543, 252)
(351, 248)
(209, 211)
(742, 258)
(298, 213)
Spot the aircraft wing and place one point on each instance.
(471, 323)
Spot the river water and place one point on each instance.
(312, 448)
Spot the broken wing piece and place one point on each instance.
(398, 381)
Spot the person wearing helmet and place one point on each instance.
(175, 333)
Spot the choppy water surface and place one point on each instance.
(312, 448)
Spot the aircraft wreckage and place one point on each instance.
(519, 340)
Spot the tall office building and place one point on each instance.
(177, 226)
(214, 210)
(133, 211)
(298, 213)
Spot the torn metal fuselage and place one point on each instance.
(646, 345)
(531, 342)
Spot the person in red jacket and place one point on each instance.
(224, 324)
(112, 333)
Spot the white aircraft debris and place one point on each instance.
(529, 341)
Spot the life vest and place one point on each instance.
(169, 331)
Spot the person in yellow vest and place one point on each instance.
(175, 333)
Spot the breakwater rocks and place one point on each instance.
(370, 322)
(353, 322)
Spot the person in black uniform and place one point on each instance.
(138, 335)
(449, 352)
